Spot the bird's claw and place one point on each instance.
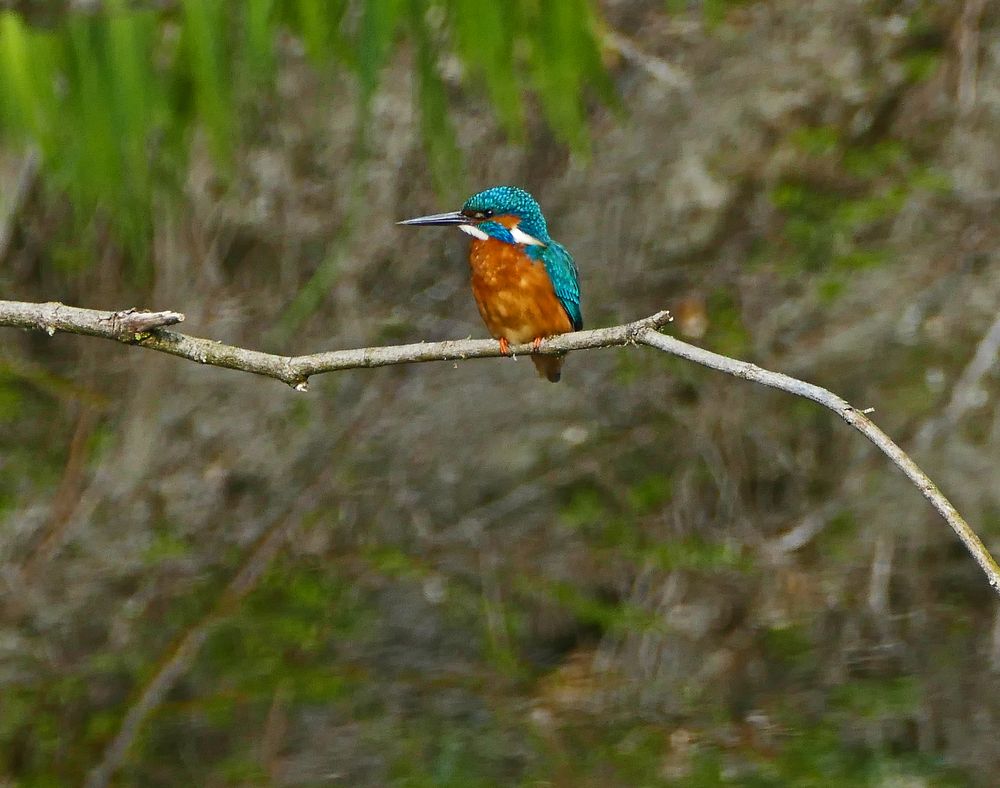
(536, 344)
(505, 346)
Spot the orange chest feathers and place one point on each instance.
(514, 293)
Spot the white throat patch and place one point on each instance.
(516, 233)
(523, 238)
(474, 231)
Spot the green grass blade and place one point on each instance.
(259, 32)
(205, 32)
(438, 135)
(378, 28)
(27, 72)
(97, 171)
(136, 93)
(318, 22)
(484, 39)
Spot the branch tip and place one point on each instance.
(135, 321)
(652, 323)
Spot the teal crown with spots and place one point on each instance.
(508, 201)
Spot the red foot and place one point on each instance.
(504, 346)
(536, 343)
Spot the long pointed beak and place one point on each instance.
(455, 217)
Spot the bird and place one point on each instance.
(525, 284)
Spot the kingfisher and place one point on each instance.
(526, 285)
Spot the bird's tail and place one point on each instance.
(549, 367)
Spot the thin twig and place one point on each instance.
(296, 370)
(966, 394)
(852, 416)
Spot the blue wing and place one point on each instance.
(565, 278)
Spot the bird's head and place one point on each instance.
(506, 213)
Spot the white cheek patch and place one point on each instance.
(474, 231)
(522, 237)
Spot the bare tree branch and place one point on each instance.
(852, 416)
(140, 328)
(144, 328)
(967, 393)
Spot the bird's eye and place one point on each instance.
(479, 215)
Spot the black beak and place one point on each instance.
(455, 217)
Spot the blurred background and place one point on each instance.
(460, 575)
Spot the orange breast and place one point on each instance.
(514, 294)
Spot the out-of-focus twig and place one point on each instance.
(296, 370)
(967, 391)
(968, 54)
(807, 529)
(656, 67)
(881, 574)
(67, 495)
(176, 662)
(179, 659)
(25, 184)
(275, 728)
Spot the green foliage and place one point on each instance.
(488, 56)
(204, 44)
(11, 401)
(839, 539)
(817, 755)
(617, 530)
(805, 755)
(591, 610)
(788, 646)
(712, 11)
(278, 648)
(282, 636)
(564, 60)
(922, 65)
(451, 754)
(876, 699)
(24, 465)
(438, 135)
(726, 333)
(112, 98)
(835, 226)
(166, 547)
(715, 10)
